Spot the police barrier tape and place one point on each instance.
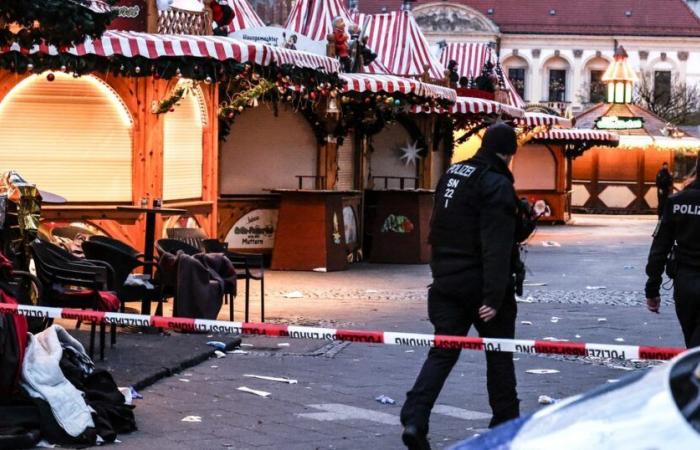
(619, 352)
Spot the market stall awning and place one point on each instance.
(579, 135)
(390, 84)
(685, 143)
(535, 119)
(153, 46)
(97, 6)
(471, 57)
(400, 45)
(470, 106)
(244, 16)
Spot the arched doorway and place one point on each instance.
(70, 136)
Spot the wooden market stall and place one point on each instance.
(542, 168)
(128, 118)
(622, 180)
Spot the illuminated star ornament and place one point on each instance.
(410, 154)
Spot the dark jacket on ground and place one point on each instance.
(679, 224)
(473, 229)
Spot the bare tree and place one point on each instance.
(672, 99)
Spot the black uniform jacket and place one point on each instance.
(680, 224)
(473, 230)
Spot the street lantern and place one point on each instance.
(620, 78)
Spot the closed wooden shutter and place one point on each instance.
(182, 151)
(70, 136)
(346, 165)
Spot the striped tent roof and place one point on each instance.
(400, 44)
(152, 46)
(390, 84)
(314, 18)
(534, 119)
(471, 58)
(573, 135)
(474, 106)
(245, 16)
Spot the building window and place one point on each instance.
(596, 91)
(557, 85)
(517, 77)
(662, 86)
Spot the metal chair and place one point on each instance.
(248, 267)
(125, 260)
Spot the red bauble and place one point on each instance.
(50, 77)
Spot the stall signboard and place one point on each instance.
(281, 37)
(131, 15)
(255, 230)
(619, 123)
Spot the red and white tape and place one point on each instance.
(620, 352)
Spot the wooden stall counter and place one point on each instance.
(397, 223)
(311, 232)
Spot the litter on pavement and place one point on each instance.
(534, 284)
(529, 299)
(542, 371)
(384, 400)
(294, 294)
(595, 288)
(283, 344)
(193, 419)
(262, 394)
(546, 400)
(602, 319)
(525, 322)
(553, 339)
(619, 339)
(320, 269)
(238, 352)
(551, 244)
(219, 354)
(554, 319)
(277, 379)
(184, 380)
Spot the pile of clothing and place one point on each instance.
(51, 391)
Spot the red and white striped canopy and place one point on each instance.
(314, 18)
(152, 46)
(245, 16)
(471, 58)
(400, 45)
(97, 6)
(580, 135)
(390, 84)
(471, 106)
(534, 119)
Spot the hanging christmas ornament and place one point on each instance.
(410, 154)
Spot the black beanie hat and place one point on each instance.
(500, 138)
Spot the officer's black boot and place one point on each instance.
(414, 439)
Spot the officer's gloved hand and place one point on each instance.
(487, 313)
(654, 304)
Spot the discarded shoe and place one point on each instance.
(413, 439)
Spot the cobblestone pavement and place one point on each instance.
(580, 274)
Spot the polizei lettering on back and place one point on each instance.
(461, 170)
(692, 210)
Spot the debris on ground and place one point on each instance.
(219, 354)
(554, 319)
(595, 288)
(217, 345)
(184, 380)
(553, 339)
(277, 379)
(320, 269)
(525, 322)
(238, 352)
(529, 299)
(283, 344)
(602, 319)
(262, 394)
(534, 284)
(193, 419)
(619, 339)
(542, 371)
(384, 400)
(551, 244)
(293, 294)
(546, 400)
(613, 380)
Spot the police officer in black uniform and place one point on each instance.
(676, 247)
(474, 252)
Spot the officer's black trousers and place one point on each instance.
(686, 293)
(452, 315)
